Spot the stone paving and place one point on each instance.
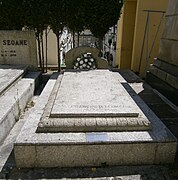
(163, 110)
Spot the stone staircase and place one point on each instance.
(16, 89)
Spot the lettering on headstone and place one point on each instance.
(8, 53)
(12, 42)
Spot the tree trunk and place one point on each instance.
(42, 50)
(100, 46)
(73, 39)
(39, 49)
(58, 52)
(46, 35)
(78, 39)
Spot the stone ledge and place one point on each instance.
(13, 102)
(93, 124)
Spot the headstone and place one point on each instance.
(18, 47)
(74, 53)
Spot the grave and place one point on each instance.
(88, 118)
(18, 48)
(91, 101)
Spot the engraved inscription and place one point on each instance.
(8, 53)
(14, 42)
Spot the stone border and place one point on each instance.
(75, 149)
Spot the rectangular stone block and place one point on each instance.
(95, 155)
(92, 94)
(165, 66)
(172, 8)
(171, 28)
(158, 72)
(172, 80)
(168, 51)
(18, 47)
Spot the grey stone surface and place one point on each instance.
(18, 47)
(93, 124)
(158, 72)
(172, 80)
(94, 155)
(171, 69)
(62, 149)
(168, 51)
(7, 146)
(95, 93)
(171, 27)
(112, 121)
(13, 102)
(24, 153)
(172, 8)
(165, 76)
(9, 74)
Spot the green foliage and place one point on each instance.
(11, 14)
(77, 15)
(75, 18)
(101, 15)
(97, 15)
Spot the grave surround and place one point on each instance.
(76, 149)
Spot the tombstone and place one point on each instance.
(74, 53)
(18, 48)
(92, 101)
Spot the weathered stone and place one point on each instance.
(92, 94)
(18, 47)
(80, 149)
(8, 75)
(99, 119)
(75, 52)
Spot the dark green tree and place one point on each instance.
(101, 15)
(36, 17)
(75, 18)
(57, 23)
(11, 15)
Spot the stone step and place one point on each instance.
(10, 75)
(14, 101)
(32, 149)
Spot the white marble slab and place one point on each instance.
(97, 93)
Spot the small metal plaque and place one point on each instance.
(97, 137)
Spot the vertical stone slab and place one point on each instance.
(164, 78)
(18, 47)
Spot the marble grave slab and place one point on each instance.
(91, 101)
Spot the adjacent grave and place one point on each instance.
(18, 47)
(61, 128)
